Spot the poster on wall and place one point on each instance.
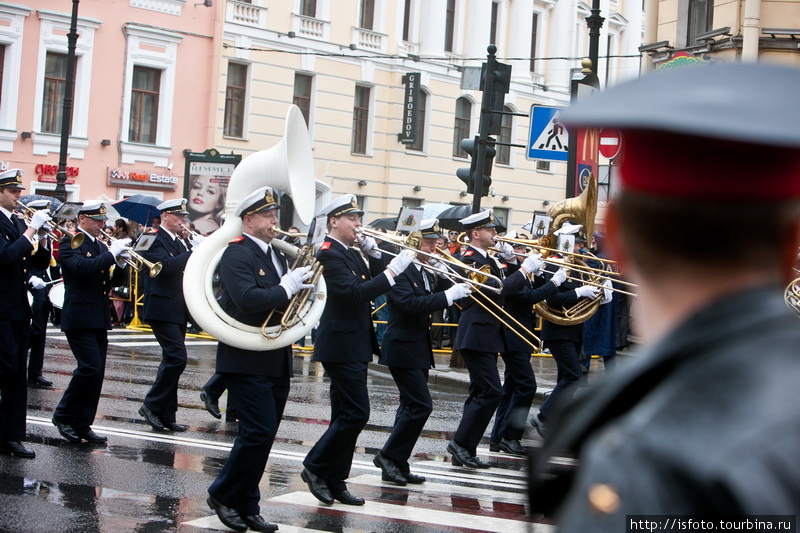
(206, 186)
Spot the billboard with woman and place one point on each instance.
(208, 174)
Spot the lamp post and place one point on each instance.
(66, 115)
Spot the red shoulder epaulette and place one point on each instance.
(151, 231)
(240, 238)
(325, 245)
(468, 253)
(504, 265)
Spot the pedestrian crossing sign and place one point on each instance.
(548, 139)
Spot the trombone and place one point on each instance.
(153, 268)
(49, 229)
(412, 243)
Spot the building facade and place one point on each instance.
(343, 63)
(143, 94)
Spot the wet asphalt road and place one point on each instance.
(147, 481)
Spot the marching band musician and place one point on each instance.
(407, 351)
(345, 343)
(519, 382)
(705, 422)
(564, 340)
(165, 311)
(480, 338)
(40, 311)
(255, 279)
(16, 257)
(86, 318)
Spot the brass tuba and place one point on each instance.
(581, 210)
(289, 167)
(792, 296)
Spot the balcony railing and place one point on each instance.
(310, 27)
(246, 14)
(369, 40)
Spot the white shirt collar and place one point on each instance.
(87, 233)
(265, 247)
(169, 233)
(484, 253)
(340, 242)
(6, 212)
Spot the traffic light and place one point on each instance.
(470, 176)
(467, 174)
(501, 81)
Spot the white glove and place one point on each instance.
(37, 283)
(587, 291)
(196, 240)
(457, 291)
(608, 294)
(39, 219)
(438, 267)
(294, 280)
(506, 251)
(399, 263)
(533, 263)
(118, 246)
(559, 277)
(370, 247)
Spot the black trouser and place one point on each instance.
(415, 407)
(332, 455)
(484, 395)
(260, 401)
(215, 386)
(13, 389)
(519, 388)
(41, 311)
(162, 398)
(78, 406)
(567, 356)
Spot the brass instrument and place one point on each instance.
(190, 230)
(792, 296)
(412, 242)
(298, 304)
(277, 229)
(133, 261)
(75, 238)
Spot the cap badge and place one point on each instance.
(183, 205)
(268, 197)
(353, 203)
(102, 209)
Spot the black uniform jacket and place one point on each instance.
(87, 272)
(519, 305)
(163, 294)
(407, 339)
(564, 297)
(477, 329)
(16, 258)
(250, 291)
(345, 333)
(705, 422)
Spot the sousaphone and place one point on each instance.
(289, 167)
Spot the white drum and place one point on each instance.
(56, 295)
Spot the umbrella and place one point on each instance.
(388, 223)
(139, 207)
(449, 218)
(55, 203)
(433, 210)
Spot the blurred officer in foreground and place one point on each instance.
(165, 311)
(89, 272)
(255, 279)
(16, 252)
(706, 421)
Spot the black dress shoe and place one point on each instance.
(494, 446)
(539, 426)
(389, 470)
(474, 462)
(257, 523)
(513, 447)
(413, 478)
(229, 517)
(40, 383)
(211, 405)
(16, 449)
(346, 498)
(151, 418)
(174, 426)
(460, 454)
(90, 436)
(317, 487)
(67, 431)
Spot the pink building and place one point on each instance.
(144, 82)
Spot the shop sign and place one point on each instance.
(47, 173)
(144, 180)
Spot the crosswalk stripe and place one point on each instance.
(212, 522)
(443, 488)
(420, 516)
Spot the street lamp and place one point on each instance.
(66, 115)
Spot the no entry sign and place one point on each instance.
(610, 142)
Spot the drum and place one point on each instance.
(56, 295)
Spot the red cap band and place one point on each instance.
(681, 166)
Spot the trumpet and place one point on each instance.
(277, 229)
(49, 229)
(133, 261)
(190, 230)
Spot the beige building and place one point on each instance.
(723, 30)
(343, 64)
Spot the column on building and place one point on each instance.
(431, 27)
(477, 24)
(630, 39)
(520, 26)
(562, 39)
